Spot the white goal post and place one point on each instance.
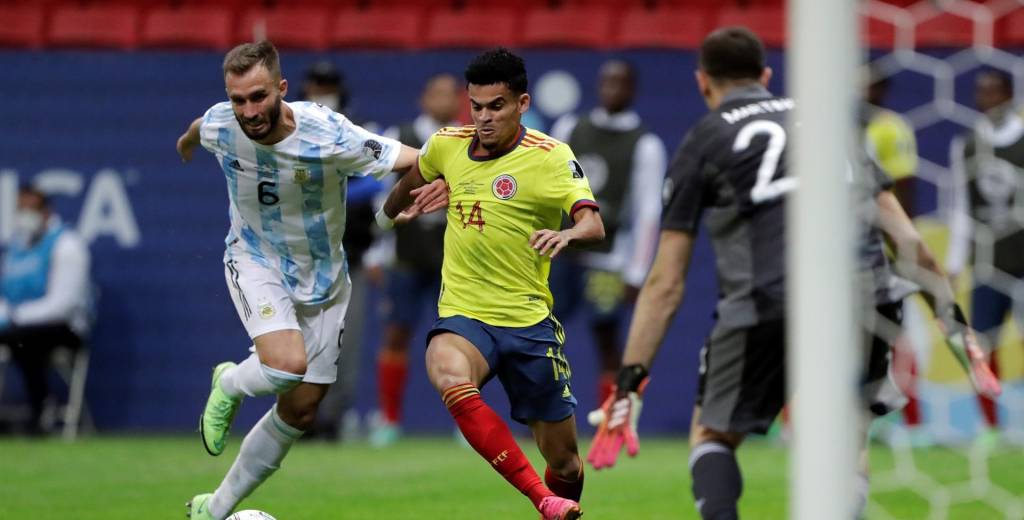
(822, 52)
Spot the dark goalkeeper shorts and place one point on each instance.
(527, 360)
(742, 384)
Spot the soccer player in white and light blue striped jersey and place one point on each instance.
(287, 166)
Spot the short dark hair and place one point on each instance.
(32, 191)
(732, 53)
(239, 60)
(1004, 77)
(498, 66)
(324, 73)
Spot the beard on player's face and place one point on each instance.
(263, 124)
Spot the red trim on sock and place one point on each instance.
(988, 406)
(392, 373)
(904, 368)
(491, 438)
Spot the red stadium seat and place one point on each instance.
(288, 28)
(667, 28)
(945, 30)
(191, 27)
(877, 34)
(396, 28)
(1010, 29)
(22, 26)
(567, 27)
(421, 5)
(768, 22)
(470, 28)
(616, 6)
(694, 3)
(100, 26)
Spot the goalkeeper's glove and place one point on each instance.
(964, 345)
(617, 418)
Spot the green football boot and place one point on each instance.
(196, 509)
(215, 423)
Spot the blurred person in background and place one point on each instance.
(407, 262)
(986, 233)
(45, 294)
(626, 164)
(889, 139)
(325, 84)
(891, 143)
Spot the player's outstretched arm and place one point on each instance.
(189, 140)
(410, 197)
(914, 259)
(656, 305)
(407, 159)
(919, 265)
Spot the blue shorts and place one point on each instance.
(408, 293)
(527, 360)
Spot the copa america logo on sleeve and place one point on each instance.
(372, 148)
(504, 187)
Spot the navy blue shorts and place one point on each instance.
(408, 293)
(527, 360)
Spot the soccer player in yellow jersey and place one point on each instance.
(890, 140)
(509, 187)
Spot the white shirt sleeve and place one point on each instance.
(563, 127)
(361, 153)
(649, 163)
(67, 288)
(960, 223)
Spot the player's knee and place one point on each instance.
(396, 344)
(396, 339)
(446, 366)
(289, 363)
(567, 466)
(281, 380)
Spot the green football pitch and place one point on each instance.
(434, 478)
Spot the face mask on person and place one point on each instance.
(330, 101)
(28, 223)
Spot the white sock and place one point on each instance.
(261, 454)
(254, 379)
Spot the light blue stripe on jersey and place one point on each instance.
(270, 217)
(226, 141)
(314, 222)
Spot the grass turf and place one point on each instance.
(428, 478)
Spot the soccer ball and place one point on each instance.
(251, 514)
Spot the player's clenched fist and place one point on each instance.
(617, 418)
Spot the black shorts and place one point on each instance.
(742, 384)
